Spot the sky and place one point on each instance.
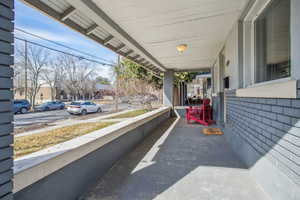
(31, 20)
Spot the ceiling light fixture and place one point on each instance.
(181, 48)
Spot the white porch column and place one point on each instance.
(168, 88)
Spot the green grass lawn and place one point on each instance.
(28, 144)
(130, 114)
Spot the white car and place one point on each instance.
(83, 107)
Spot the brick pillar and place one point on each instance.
(6, 97)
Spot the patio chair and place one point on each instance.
(202, 115)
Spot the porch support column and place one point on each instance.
(168, 88)
(6, 97)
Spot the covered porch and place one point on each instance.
(256, 102)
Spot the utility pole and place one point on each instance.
(117, 85)
(26, 63)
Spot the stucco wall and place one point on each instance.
(231, 66)
(231, 52)
(216, 76)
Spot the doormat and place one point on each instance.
(212, 131)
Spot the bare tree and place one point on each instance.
(79, 80)
(86, 79)
(69, 83)
(54, 75)
(19, 70)
(72, 75)
(18, 76)
(37, 58)
(37, 61)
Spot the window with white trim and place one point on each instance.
(272, 42)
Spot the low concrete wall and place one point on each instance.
(72, 180)
(265, 133)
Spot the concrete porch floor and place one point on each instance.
(177, 162)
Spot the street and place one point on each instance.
(24, 120)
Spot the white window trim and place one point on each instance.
(281, 80)
(249, 41)
(281, 88)
(259, 8)
(250, 86)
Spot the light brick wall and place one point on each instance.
(271, 127)
(6, 95)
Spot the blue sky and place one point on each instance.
(37, 23)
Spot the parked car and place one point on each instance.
(21, 106)
(50, 105)
(83, 107)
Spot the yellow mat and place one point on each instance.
(212, 131)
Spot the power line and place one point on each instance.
(111, 63)
(70, 54)
(59, 44)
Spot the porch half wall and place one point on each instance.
(265, 133)
(72, 180)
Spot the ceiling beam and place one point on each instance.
(91, 29)
(135, 57)
(106, 40)
(141, 60)
(67, 13)
(154, 71)
(119, 48)
(119, 31)
(206, 69)
(129, 52)
(151, 66)
(39, 5)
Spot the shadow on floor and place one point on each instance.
(178, 162)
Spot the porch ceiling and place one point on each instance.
(160, 25)
(149, 31)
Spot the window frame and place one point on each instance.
(249, 59)
(254, 36)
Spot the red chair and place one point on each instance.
(202, 115)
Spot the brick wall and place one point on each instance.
(6, 95)
(271, 127)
